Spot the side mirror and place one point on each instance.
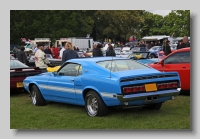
(55, 73)
(161, 62)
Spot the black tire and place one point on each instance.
(36, 96)
(152, 56)
(94, 105)
(155, 106)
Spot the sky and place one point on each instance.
(160, 12)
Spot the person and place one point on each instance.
(40, 58)
(167, 48)
(151, 45)
(56, 52)
(142, 46)
(87, 50)
(47, 50)
(110, 51)
(61, 51)
(52, 50)
(179, 44)
(97, 50)
(35, 49)
(186, 41)
(69, 53)
(22, 56)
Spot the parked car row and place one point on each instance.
(102, 82)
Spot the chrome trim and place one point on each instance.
(142, 96)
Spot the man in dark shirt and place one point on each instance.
(97, 50)
(186, 41)
(167, 48)
(22, 56)
(47, 50)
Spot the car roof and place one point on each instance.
(94, 59)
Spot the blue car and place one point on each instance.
(154, 51)
(101, 82)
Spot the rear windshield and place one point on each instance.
(121, 65)
(17, 64)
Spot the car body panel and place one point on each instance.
(182, 68)
(19, 71)
(60, 87)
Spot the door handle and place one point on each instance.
(184, 67)
(72, 80)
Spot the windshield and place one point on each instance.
(49, 56)
(17, 64)
(121, 65)
(155, 48)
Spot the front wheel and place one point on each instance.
(36, 96)
(152, 56)
(94, 105)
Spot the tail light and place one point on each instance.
(167, 85)
(134, 89)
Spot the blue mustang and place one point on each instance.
(100, 82)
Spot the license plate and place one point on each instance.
(19, 84)
(150, 87)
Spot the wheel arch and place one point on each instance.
(86, 90)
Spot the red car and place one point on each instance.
(19, 71)
(178, 60)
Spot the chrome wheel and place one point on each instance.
(92, 105)
(33, 97)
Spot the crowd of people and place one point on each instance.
(69, 51)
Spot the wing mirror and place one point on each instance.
(55, 73)
(161, 62)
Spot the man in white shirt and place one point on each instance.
(40, 58)
(63, 49)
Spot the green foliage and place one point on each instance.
(177, 22)
(101, 24)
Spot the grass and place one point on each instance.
(174, 114)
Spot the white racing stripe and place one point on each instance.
(108, 95)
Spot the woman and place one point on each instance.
(69, 53)
(110, 51)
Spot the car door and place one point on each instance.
(61, 84)
(179, 62)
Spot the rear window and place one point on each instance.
(121, 65)
(17, 64)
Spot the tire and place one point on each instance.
(94, 105)
(152, 56)
(155, 106)
(36, 96)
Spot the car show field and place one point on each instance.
(174, 115)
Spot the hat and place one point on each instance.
(40, 44)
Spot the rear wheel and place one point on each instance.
(36, 96)
(152, 56)
(94, 105)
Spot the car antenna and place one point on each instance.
(111, 66)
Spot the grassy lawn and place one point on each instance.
(174, 114)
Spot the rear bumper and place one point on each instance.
(143, 96)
